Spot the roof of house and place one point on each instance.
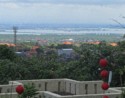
(113, 44)
(8, 44)
(68, 43)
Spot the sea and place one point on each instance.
(38, 29)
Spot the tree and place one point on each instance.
(6, 53)
(7, 71)
(119, 62)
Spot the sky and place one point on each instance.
(62, 11)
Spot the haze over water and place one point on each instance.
(37, 29)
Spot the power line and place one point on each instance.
(118, 23)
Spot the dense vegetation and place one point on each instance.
(48, 66)
(56, 38)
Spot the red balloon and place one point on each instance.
(104, 73)
(105, 96)
(105, 86)
(103, 62)
(19, 89)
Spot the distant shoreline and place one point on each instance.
(65, 31)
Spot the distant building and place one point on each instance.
(68, 41)
(32, 52)
(8, 44)
(28, 52)
(94, 42)
(42, 42)
(66, 53)
(113, 44)
(21, 54)
(98, 42)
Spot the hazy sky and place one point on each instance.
(62, 11)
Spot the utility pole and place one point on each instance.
(14, 41)
(15, 35)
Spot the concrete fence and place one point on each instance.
(66, 85)
(47, 88)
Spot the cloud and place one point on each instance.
(98, 2)
(59, 13)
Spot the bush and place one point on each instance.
(29, 91)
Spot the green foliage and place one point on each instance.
(6, 53)
(123, 93)
(29, 92)
(48, 66)
(55, 38)
(7, 71)
(122, 45)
